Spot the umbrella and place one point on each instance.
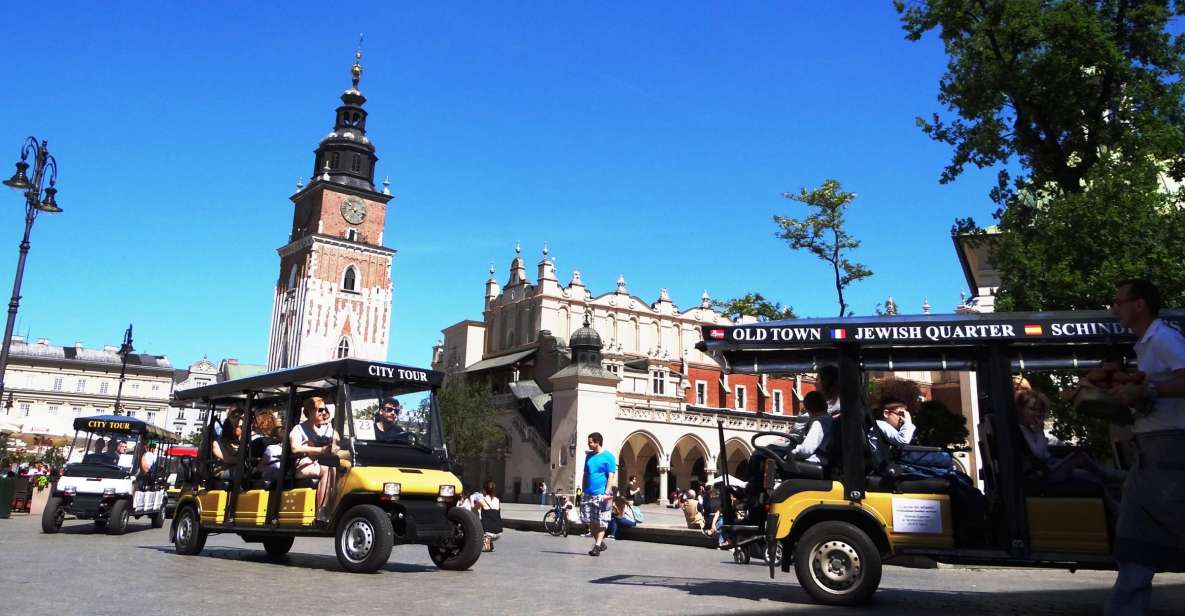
(732, 481)
(9, 428)
(42, 435)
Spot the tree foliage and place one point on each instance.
(467, 411)
(754, 305)
(822, 234)
(1060, 86)
(938, 426)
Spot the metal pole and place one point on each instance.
(124, 351)
(15, 302)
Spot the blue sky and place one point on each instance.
(651, 141)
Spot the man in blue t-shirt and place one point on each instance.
(600, 467)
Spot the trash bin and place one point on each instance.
(6, 488)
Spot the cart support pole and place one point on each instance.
(852, 421)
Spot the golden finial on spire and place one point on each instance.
(356, 70)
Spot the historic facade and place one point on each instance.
(333, 292)
(48, 386)
(649, 391)
(185, 418)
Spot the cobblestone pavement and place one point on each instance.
(78, 571)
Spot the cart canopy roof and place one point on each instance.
(123, 423)
(359, 372)
(1036, 340)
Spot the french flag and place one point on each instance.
(839, 334)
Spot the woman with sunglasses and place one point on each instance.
(311, 442)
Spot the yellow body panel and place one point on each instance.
(298, 507)
(1068, 525)
(880, 507)
(421, 482)
(251, 507)
(213, 504)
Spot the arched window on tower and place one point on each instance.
(334, 159)
(343, 347)
(356, 164)
(292, 278)
(350, 279)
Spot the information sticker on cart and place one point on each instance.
(917, 515)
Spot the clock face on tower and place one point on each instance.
(353, 210)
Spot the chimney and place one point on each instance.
(78, 344)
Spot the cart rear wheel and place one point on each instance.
(52, 516)
(365, 537)
(463, 547)
(837, 564)
(158, 519)
(188, 537)
(277, 546)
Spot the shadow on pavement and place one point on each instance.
(900, 600)
(323, 562)
(86, 527)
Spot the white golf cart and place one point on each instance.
(113, 474)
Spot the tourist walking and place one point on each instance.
(600, 467)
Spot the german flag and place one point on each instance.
(1034, 330)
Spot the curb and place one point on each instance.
(648, 534)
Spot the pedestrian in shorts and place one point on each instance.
(600, 467)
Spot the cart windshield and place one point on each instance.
(107, 449)
(385, 416)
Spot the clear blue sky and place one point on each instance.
(652, 141)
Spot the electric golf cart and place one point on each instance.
(837, 522)
(105, 478)
(367, 489)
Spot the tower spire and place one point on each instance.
(356, 70)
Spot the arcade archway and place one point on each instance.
(639, 456)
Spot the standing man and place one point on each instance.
(600, 467)
(896, 423)
(1150, 536)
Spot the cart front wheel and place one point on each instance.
(365, 537)
(837, 564)
(188, 538)
(52, 516)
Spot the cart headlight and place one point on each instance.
(107, 492)
(391, 489)
(448, 491)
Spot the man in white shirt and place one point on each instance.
(896, 423)
(818, 428)
(1150, 536)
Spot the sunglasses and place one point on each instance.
(322, 410)
(388, 409)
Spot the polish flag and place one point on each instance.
(1034, 330)
(716, 334)
(839, 334)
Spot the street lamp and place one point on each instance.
(38, 198)
(125, 350)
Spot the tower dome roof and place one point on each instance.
(586, 338)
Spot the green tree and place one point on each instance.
(754, 305)
(938, 426)
(467, 411)
(822, 234)
(194, 439)
(1057, 86)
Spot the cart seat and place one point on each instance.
(878, 483)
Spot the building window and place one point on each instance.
(155, 387)
(131, 413)
(103, 387)
(57, 383)
(350, 279)
(81, 385)
(177, 433)
(180, 414)
(135, 387)
(53, 409)
(352, 235)
(77, 411)
(742, 394)
(151, 417)
(24, 408)
(333, 160)
(777, 401)
(356, 164)
(701, 393)
(614, 368)
(657, 383)
(343, 348)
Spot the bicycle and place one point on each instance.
(555, 521)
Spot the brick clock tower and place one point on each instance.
(333, 295)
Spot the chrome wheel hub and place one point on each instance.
(836, 566)
(357, 540)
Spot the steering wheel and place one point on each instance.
(790, 436)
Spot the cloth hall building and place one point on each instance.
(564, 362)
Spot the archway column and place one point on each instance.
(662, 485)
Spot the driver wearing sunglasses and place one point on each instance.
(896, 423)
(385, 428)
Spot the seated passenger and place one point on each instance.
(266, 446)
(148, 458)
(96, 456)
(226, 449)
(896, 424)
(828, 386)
(385, 428)
(235, 413)
(312, 443)
(1038, 462)
(818, 430)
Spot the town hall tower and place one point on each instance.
(333, 293)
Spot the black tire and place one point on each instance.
(277, 546)
(117, 518)
(158, 519)
(463, 547)
(52, 516)
(553, 523)
(837, 564)
(364, 539)
(188, 536)
(740, 556)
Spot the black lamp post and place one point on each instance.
(38, 198)
(125, 349)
